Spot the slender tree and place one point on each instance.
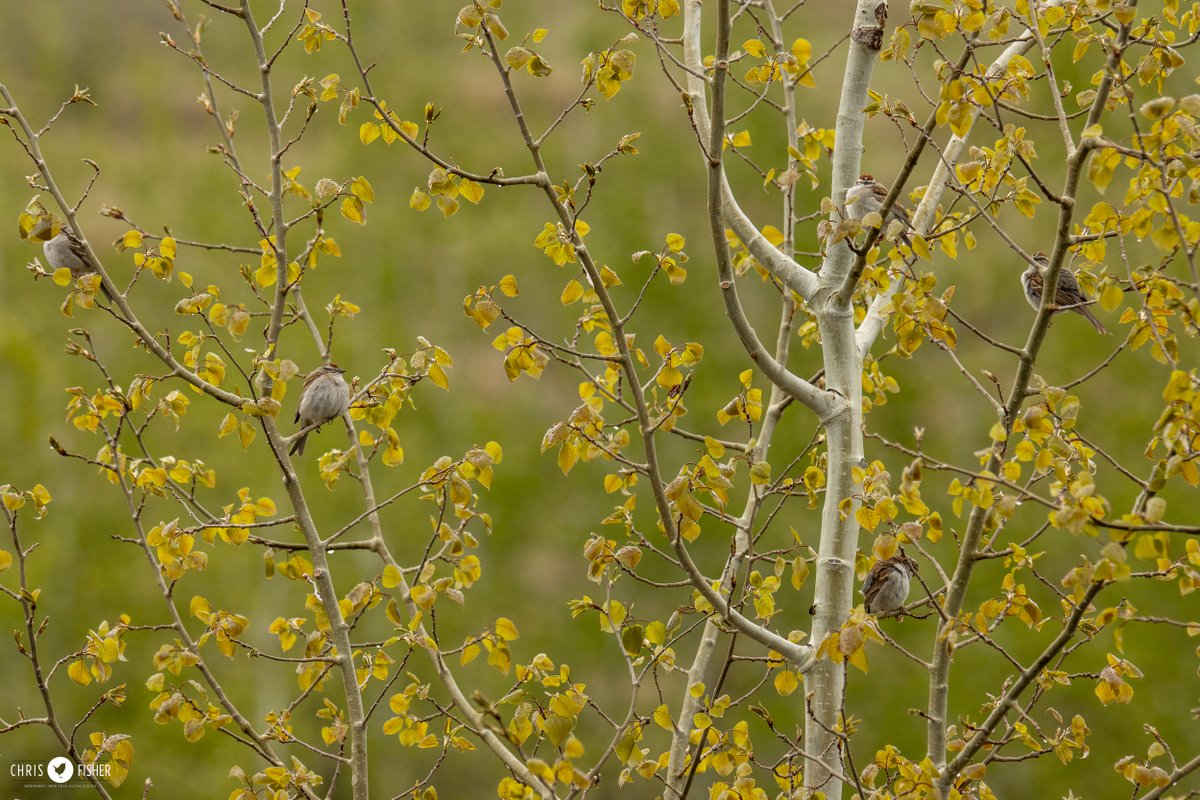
(701, 591)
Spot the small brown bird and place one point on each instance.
(886, 585)
(1067, 296)
(64, 250)
(866, 196)
(325, 397)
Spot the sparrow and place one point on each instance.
(1067, 295)
(886, 585)
(67, 251)
(866, 196)
(325, 397)
(64, 251)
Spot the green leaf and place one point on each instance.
(631, 639)
(557, 728)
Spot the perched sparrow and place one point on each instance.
(325, 397)
(1067, 294)
(886, 585)
(866, 196)
(64, 250)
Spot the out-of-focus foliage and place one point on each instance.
(507, 463)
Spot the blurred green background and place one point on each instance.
(409, 272)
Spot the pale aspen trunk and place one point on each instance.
(834, 594)
(843, 363)
(843, 419)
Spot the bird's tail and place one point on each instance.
(1090, 317)
(298, 446)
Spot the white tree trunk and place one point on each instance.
(843, 370)
(843, 374)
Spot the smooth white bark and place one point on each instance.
(843, 369)
(834, 592)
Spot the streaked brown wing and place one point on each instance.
(77, 248)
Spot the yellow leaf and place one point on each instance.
(393, 456)
(471, 190)
(423, 596)
(361, 188)
(773, 235)
(79, 673)
(419, 201)
(246, 433)
(506, 630)
(567, 456)
(859, 658)
(675, 273)
(1111, 297)
(438, 376)
(572, 292)
(391, 576)
(609, 278)
(662, 718)
(228, 425)
(920, 247)
(352, 209)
